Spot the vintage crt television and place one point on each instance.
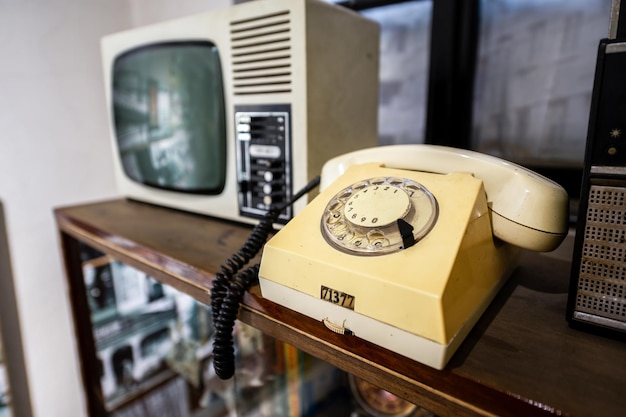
(227, 113)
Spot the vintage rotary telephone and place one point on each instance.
(406, 245)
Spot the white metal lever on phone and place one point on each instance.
(527, 209)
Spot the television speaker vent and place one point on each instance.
(261, 54)
(601, 292)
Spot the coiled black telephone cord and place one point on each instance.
(228, 288)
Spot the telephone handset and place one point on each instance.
(398, 248)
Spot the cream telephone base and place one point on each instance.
(404, 259)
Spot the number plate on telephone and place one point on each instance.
(337, 297)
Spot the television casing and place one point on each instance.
(331, 91)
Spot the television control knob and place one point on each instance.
(267, 200)
(268, 176)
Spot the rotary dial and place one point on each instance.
(379, 215)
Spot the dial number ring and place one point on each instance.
(377, 206)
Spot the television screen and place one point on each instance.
(169, 116)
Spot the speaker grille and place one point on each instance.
(602, 277)
(261, 54)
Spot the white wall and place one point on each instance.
(144, 12)
(54, 151)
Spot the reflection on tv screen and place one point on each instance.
(168, 106)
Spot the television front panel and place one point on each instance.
(169, 118)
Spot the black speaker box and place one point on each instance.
(597, 296)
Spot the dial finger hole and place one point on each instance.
(333, 217)
(414, 190)
(360, 186)
(344, 195)
(334, 205)
(377, 239)
(339, 229)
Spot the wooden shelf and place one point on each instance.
(521, 359)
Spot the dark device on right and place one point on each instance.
(597, 295)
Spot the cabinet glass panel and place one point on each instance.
(274, 379)
(153, 344)
(153, 350)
